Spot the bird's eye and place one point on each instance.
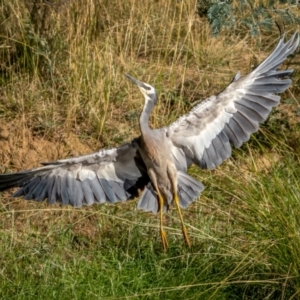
(146, 87)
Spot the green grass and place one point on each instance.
(63, 93)
(245, 245)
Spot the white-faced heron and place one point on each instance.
(158, 159)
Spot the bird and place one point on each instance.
(155, 164)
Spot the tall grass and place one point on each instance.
(63, 93)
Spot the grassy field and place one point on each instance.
(63, 93)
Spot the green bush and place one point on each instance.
(241, 15)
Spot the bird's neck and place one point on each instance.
(144, 117)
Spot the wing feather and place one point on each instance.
(64, 192)
(205, 133)
(108, 175)
(78, 198)
(43, 190)
(97, 190)
(32, 187)
(87, 192)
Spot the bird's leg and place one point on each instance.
(173, 180)
(184, 230)
(162, 231)
(161, 209)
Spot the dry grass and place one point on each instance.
(63, 72)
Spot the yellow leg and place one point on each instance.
(162, 232)
(184, 231)
(161, 207)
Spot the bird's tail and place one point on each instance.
(148, 200)
(188, 190)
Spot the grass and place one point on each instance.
(63, 93)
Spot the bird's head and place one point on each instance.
(147, 90)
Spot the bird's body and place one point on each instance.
(161, 169)
(157, 161)
(151, 144)
(150, 149)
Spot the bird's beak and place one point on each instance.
(137, 82)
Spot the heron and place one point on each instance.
(157, 161)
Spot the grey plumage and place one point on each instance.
(80, 181)
(157, 161)
(189, 190)
(245, 103)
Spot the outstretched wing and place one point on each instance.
(203, 136)
(109, 175)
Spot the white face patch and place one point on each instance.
(149, 95)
